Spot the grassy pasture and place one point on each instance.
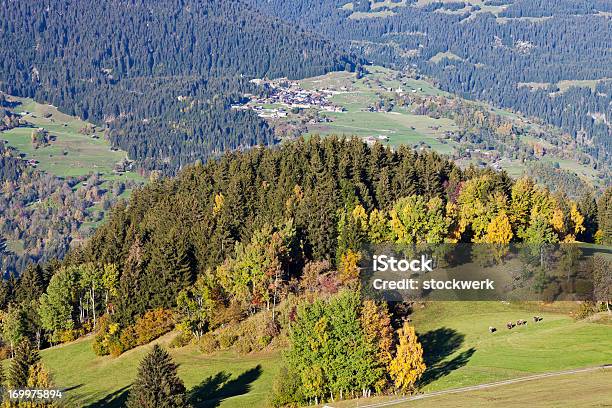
(221, 380)
(565, 84)
(462, 352)
(397, 126)
(84, 154)
(355, 95)
(588, 389)
(442, 55)
(459, 351)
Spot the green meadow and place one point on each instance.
(71, 153)
(220, 380)
(356, 95)
(586, 389)
(458, 348)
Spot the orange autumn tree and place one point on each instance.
(407, 366)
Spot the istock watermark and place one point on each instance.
(482, 272)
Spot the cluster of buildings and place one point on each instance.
(289, 95)
(372, 140)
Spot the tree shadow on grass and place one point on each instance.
(214, 389)
(116, 399)
(438, 345)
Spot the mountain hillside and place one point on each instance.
(161, 75)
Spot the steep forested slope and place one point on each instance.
(161, 74)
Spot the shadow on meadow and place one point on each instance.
(214, 389)
(116, 399)
(438, 345)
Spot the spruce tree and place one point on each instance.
(157, 384)
(26, 356)
(30, 284)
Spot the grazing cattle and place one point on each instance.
(537, 319)
(492, 329)
(509, 325)
(521, 322)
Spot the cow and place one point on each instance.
(492, 329)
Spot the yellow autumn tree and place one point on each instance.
(378, 230)
(38, 378)
(349, 266)
(219, 201)
(376, 324)
(407, 366)
(577, 221)
(558, 220)
(499, 230)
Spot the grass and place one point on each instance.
(564, 85)
(459, 351)
(401, 128)
(462, 352)
(589, 389)
(355, 95)
(442, 55)
(221, 380)
(72, 153)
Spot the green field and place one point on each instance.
(401, 128)
(459, 351)
(588, 389)
(225, 380)
(72, 153)
(462, 352)
(381, 9)
(355, 95)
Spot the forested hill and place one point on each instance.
(324, 196)
(161, 74)
(546, 59)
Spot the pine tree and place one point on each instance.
(157, 384)
(30, 284)
(26, 356)
(588, 208)
(407, 366)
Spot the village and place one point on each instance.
(290, 96)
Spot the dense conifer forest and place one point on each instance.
(160, 75)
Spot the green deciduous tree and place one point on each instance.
(329, 350)
(196, 306)
(414, 220)
(14, 326)
(57, 304)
